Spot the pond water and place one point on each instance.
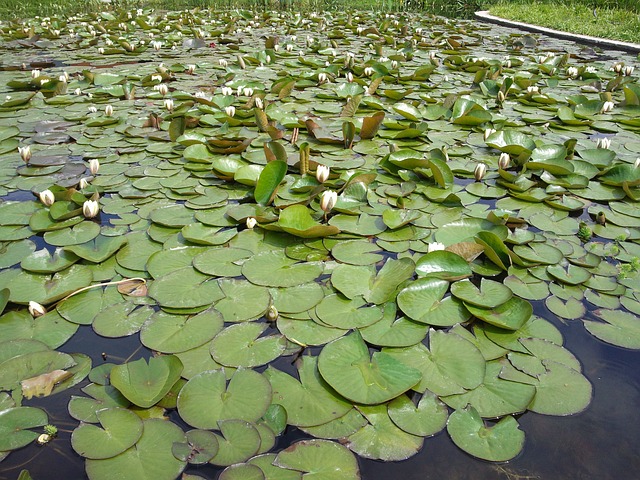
(168, 190)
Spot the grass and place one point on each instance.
(10, 9)
(618, 20)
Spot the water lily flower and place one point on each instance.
(77, 91)
(607, 107)
(168, 104)
(90, 208)
(156, 45)
(226, 91)
(94, 166)
(488, 132)
(328, 200)
(230, 110)
(368, 71)
(163, 89)
(251, 222)
(47, 198)
(156, 77)
(289, 47)
(617, 68)
(480, 171)
(25, 153)
(83, 183)
(101, 50)
(259, 103)
(35, 73)
(268, 59)
(191, 68)
(92, 109)
(504, 161)
(322, 173)
(322, 78)
(247, 91)
(43, 439)
(501, 96)
(394, 64)
(349, 77)
(628, 71)
(603, 142)
(572, 72)
(533, 89)
(637, 163)
(590, 69)
(222, 62)
(36, 310)
(435, 246)
(108, 110)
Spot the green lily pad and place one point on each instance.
(240, 440)
(150, 458)
(241, 345)
(206, 399)
(146, 383)
(425, 419)
(319, 459)
(444, 265)
(273, 269)
(496, 443)
(310, 401)
(489, 295)
(346, 366)
(619, 328)
(510, 315)
(15, 424)
(168, 333)
(121, 430)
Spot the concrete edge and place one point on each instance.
(600, 42)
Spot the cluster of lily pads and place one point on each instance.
(366, 195)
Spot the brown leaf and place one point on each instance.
(467, 250)
(133, 288)
(42, 385)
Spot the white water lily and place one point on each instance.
(83, 183)
(156, 45)
(25, 153)
(47, 198)
(247, 91)
(90, 208)
(191, 68)
(108, 110)
(77, 91)
(349, 77)
(394, 64)
(572, 72)
(533, 89)
(504, 161)
(35, 73)
(607, 107)
(222, 62)
(488, 132)
(163, 89)
(322, 78)
(480, 171)
(603, 142)
(92, 109)
(251, 222)
(36, 310)
(322, 173)
(226, 91)
(368, 71)
(101, 51)
(328, 200)
(230, 110)
(94, 166)
(168, 104)
(637, 163)
(435, 246)
(156, 77)
(259, 103)
(628, 71)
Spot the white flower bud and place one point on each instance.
(222, 62)
(36, 310)
(368, 71)
(504, 161)
(349, 77)
(92, 109)
(272, 313)
(101, 51)
(533, 89)
(322, 173)
(435, 246)
(25, 153)
(35, 73)
(607, 107)
(247, 91)
(488, 132)
(322, 78)
(43, 439)
(230, 110)
(83, 183)
(603, 142)
(168, 104)
(47, 198)
(90, 208)
(628, 71)
(480, 171)
(394, 64)
(108, 110)
(226, 91)
(259, 103)
(328, 200)
(94, 166)
(251, 222)
(572, 72)
(163, 89)
(191, 69)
